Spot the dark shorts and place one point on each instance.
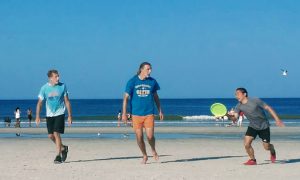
(30, 117)
(263, 134)
(56, 124)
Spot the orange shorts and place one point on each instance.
(143, 121)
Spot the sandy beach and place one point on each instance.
(32, 158)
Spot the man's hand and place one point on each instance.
(232, 116)
(37, 121)
(70, 120)
(230, 113)
(124, 118)
(161, 116)
(279, 123)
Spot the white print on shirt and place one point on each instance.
(53, 94)
(143, 90)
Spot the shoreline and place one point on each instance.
(183, 130)
(168, 117)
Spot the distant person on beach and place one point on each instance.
(119, 117)
(240, 120)
(18, 121)
(7, 121)
(56, 96)
(220, 118)
(254, 109)
(141, 90)
(129, 119)
(17, 117)
(29, 116)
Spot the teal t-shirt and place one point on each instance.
(141, 95)
(54, 96)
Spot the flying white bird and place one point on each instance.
(284, 72)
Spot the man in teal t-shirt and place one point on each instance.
(56, 96)
(141, 90)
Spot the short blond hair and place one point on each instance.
(52, 71)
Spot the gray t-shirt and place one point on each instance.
(254, 111)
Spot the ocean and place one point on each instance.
(189, 112)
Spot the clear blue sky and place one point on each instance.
(198, 49)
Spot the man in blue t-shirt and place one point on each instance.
(56, 96)
(141, 90)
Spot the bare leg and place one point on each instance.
(269, 147)
(141, 144)
(248, 147)
(18, 124)
(151, 140)
(58, 142)
(51, 136)
(119, 120)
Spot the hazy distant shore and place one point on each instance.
(166, 117)
(188, 130)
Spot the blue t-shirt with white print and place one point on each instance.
(54, 96)
(141, 95)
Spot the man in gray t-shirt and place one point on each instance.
(254, 110)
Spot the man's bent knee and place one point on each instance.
(50, 136)
(139, 136)
(267, 146)
(56, 134)
(150, 138)
(247, 145)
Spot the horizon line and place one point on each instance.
(160, 98)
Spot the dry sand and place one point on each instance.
(32, 158)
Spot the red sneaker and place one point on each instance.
(250, 162)
(273, 157)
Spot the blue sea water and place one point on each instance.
(181, 107)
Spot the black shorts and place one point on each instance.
(263, 134)
(56, 124)
(30, 117)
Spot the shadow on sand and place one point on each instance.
(289, 161)
(113, 158)
(201, 159)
